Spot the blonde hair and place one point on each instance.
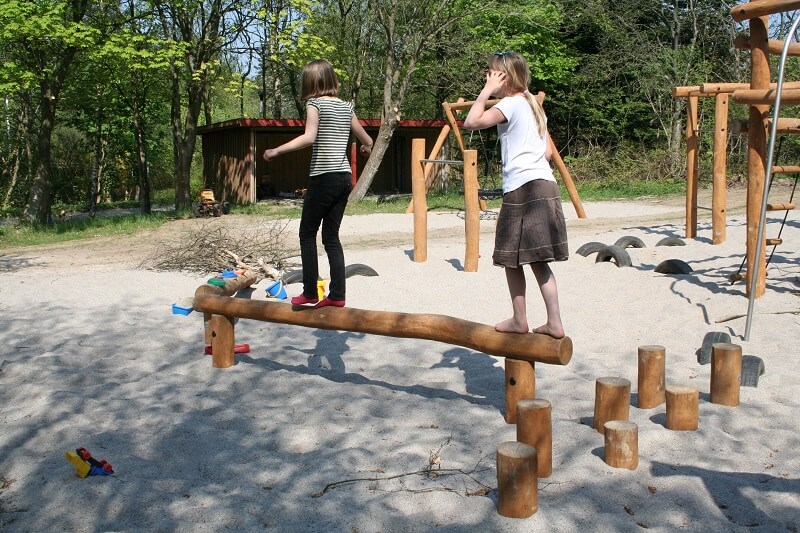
(319, 79)
(518, 77)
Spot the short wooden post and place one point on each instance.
(682, 408)
(726, 369)
(612, 401)
(472, 217)
(222, 341)
(520, 385)
(622, 444)
(652, 364)
(535, 427)
(420, 202)
(517, 486)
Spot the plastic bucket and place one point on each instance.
(277, 290)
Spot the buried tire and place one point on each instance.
(615, 253)
(292, 276)
(359, 269)
(590, 248)
(671, 241)
(711, 338)
(673, 266)
(752, 369)
(629, 241)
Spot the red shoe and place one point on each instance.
(328, 302)
(303, 299)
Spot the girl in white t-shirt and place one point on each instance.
(530, 227)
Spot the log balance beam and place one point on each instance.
(212, 301)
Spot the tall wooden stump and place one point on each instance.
(419, 201)
(612, 401)
(472, 211)
(652, 365)
(520, 385)
(726, 369)
(682, 408)
(222, 341)
(622, 444)
(719, 169)
(535, 427)
(517, 486)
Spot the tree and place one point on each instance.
(41, 39)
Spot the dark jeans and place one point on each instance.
(324, 203)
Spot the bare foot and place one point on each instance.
(511, 326)
(557, 332)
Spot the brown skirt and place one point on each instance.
(531, 226)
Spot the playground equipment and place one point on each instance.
(450, 110)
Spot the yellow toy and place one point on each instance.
(82, 468)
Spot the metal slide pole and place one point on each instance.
(768, 179)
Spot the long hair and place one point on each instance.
(518, 77)
(319, 79)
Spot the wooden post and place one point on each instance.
(652, 365)
(691, 167)
(757, 152)
(420, 201)
(682, 408)
(621, 444)
(517, 486)
(472, 217)
(567, 178)
(535, 427)
(429, 166)
(719, 173)
(222, 341)
(612, 401)
(726, 369)
(520, 385)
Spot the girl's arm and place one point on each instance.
(362, 135)
(479, 117)
(302, 141)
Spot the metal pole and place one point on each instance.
(768, 178)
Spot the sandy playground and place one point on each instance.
(318, 430)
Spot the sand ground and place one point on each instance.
(318, 430)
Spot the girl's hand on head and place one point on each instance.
(495, 80)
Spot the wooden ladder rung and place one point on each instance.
(786, 169)
(780, 207)
(774, 242)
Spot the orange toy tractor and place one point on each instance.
(208, 205)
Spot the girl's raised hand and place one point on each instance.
(495, 79)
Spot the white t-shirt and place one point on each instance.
(522, 147)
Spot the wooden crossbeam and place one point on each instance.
(742, 42)
(766, 96)
(533, 347)
(760, 8)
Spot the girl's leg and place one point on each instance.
(310, 220)
(549, 290)
(330, 239)
(516, 288)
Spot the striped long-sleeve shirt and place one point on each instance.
(329, 153)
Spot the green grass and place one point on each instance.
(24, 234)
(85, 228)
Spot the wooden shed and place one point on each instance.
(234, 168)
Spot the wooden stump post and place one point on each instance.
(682, 408)
(622, 444)
(222, 341)
(472, 215)
(652, 364)
(726, 369)
(535, 427)
(612, 401)
(418, 195)
(517, 486)
(520, 385)
(719, 169)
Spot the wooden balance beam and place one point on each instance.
(533, 347)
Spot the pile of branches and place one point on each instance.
(213, 248)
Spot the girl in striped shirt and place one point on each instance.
(329, 121)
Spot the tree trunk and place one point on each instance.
(141, 158)
(40, 198)
(371, 168)
(98, 148)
